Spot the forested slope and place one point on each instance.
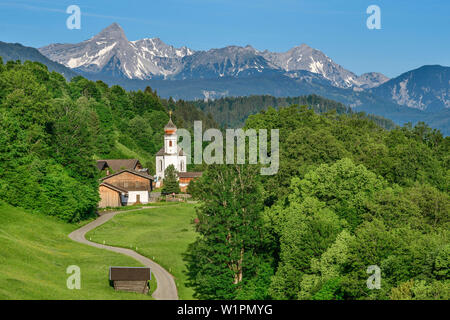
(349, 196)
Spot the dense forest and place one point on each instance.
(348, 196)
(233, 111)
(51, 132)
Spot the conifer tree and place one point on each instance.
(170, 182)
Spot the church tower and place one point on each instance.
(170, 137)
(170, 153)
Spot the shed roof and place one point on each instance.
(118, 164)
(140, 174)
(129, 273)
(101, 164)
(113, 187)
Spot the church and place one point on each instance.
(172, 154)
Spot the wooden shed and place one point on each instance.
(132, 279)
(110, 195)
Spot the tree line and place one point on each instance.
(234, 111)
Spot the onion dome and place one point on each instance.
(170, 127)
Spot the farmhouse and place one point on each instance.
(126, 187)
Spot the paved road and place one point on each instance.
(166, 289)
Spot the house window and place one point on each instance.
(160, 165)
(170, 143)
(181, 166)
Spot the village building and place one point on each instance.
(185, 178)
(126, 187)
(172, 154)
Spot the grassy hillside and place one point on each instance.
(162, 234)
(35, 253)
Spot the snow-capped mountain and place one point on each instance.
(306, 58)
(110, 53)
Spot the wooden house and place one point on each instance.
(125, 187)
(132, 279)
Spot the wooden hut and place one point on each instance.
(132, 279)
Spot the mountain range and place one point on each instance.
(422, 94)
(110, 53)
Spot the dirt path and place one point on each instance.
(166, 288)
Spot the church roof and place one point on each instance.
(170, 125)
(161, 152)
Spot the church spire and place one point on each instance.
(170, 127)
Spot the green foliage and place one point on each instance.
(170, 182)
(341, 218)
(307, 140)
(329, 291)
(231, 257)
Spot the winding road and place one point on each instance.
(166, 288)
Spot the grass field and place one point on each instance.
(161, 234)
(35, 253)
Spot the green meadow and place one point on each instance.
(35, 252)
(161, 234)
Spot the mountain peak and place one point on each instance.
(114, 26)
(113, 31)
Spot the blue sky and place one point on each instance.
(413, 32)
